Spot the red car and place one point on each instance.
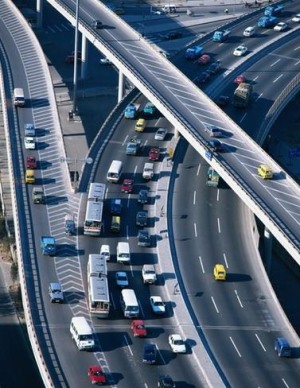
(204, 59)
(154, 153)
(96, 375)
(138, 328)
(127, 186)
(239, 79)
(31, 162)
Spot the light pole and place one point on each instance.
(75, 172)
(75, 58)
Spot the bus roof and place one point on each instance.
(94, 211)
(97, 265)
(97, 192)
(98, 289)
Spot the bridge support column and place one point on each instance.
(121, 86)
(84, 56)
(268, 240)
(39, 11)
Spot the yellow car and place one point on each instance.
(264, 171)
(140, 125)
(115, 224)
(29, 176)
(219, 272)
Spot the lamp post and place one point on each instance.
(75, 172)
(75, 58)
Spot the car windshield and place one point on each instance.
(178, 342)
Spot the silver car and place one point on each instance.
(56, 293)
(160, 134)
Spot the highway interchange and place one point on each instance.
(180, 367)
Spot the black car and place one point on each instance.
(144, 239)
(150, 354)
(222, 100)
(142, 218)
(165, 382)
(215, 145)
(143, 196)
(214, 67)
(173, 35)
(202, 78)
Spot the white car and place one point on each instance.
(29, 129)
(296, 18)
(177, 344)
(240, 51)
(249, 31)
(105, 61)
(160, 134)
(281, 26)
(122, 279)
(29, 143)
(157, 305)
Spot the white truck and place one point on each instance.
(148, 274)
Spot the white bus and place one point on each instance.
(93, 218)
(115, 171)
(97, 192)
(97, 265)
(98, 292)
(99, 302)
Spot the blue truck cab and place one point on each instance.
(48, 245)
(149, 109)
(282, 347)
(221, 35)
(267, 21)
(131, 111)
(193, 52)
(273, 10)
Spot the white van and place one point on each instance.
(123, 252)
(19, 99)
(129, 304)
(115, 171)
(82, 333)
(105, 251)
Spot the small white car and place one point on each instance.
(157, 305)
(122, 279)
(105, 61)
(29, 129)
(296, 18)
(160, 134)
(240, 51)
(177, 344)
(281, 26)
(249, 31)
(29, 143)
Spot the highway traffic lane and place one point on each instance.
(258, 316)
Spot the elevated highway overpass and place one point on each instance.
(276, 202)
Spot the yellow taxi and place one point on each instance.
(219, 272)
(265, 171)
(115, 224)
(29, 176)
(140, 125)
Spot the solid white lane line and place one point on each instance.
(214, 303)
(238, 298)
(261, 344)
(201, 264)
(128, 346)
(235, 347)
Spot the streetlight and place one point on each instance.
(75, 172)
(75, 59)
